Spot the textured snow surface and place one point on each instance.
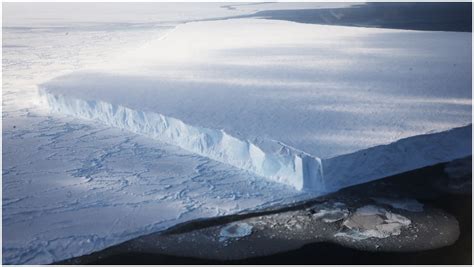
(315, 107)
(134, 16)
(71, 187)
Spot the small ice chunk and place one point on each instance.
(372, 221)
(330, 212)
(355, 235)
(408, 204)
(235, 231)
(330, 216)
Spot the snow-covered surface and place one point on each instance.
(72, 187)
(116, 16)
(315, 107)
(372, 221)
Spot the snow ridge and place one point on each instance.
(270, 159)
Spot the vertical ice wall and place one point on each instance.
(272, 159)
(401, 156)
(268, 158)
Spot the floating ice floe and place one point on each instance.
(235, 231)
(408, 204)
(330, 212)
(372, 221)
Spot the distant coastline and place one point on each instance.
(436, 16)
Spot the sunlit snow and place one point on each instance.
(70, 186)
(311, 106)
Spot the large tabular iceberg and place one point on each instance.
(316, 107)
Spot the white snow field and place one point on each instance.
(315, 107)
(70, 186)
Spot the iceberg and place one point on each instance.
(315, 107)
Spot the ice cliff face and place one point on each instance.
(315, 107)
(271, 159)
(268, 159)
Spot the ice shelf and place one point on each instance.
(315, 107)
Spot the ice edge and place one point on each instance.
(270, 159)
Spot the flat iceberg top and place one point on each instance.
(315, 107)
(324, 90)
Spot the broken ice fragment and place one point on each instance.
(330, 212)
(372, 221)
(235, 231)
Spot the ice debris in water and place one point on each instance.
(372, 221)
(330, 212)
(235, 231)
(408, 204)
